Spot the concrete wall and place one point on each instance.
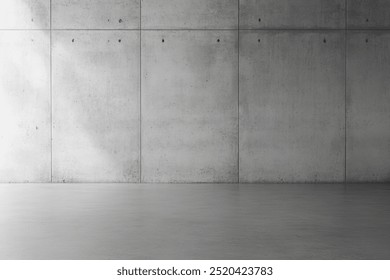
(96, 84)
(292, 93)
(189, 106)
(368, 100)
(194, 91)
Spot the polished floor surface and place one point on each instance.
(108, 221)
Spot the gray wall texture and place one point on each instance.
(195, 91)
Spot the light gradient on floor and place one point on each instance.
(130, 221)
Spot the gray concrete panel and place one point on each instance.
(22, 14)
(257, 14)
(189, 14)
(368, 14)
(96, 14)
(368, 114)
(189, 106)
(96, 106)
(24, 106)
(292, 106)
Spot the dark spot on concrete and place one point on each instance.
(324, 40)
(259, 19)
(36, 128)
(258, 40)
(119, 40)
(108, 20)
(63, 181)
(72, 40)
(366, 40)
(32, 20)
(218, 40)
(108, 41)
(163, 40)
(367, 20)
(120, 20)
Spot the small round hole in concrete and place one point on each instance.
(120, 20)
(218, 40)
(258, 40)
(72, 40)
(119, 40)
(163, 40)
(259, 19)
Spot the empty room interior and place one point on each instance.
(194, 129)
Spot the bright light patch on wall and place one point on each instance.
(24, 106)
(84, 132)
(24, 14)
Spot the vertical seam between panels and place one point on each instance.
(238, 93)
(140, 91)
(51, 95)
(345, 88)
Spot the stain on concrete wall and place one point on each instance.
(259, 14)
(25, 106)
(24, 14)
(370, 14)
(292, 106)
(96, 14)
(189, 106)
(368, 116)
(189, 14)
(96, 106)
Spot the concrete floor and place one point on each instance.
(103, 221)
